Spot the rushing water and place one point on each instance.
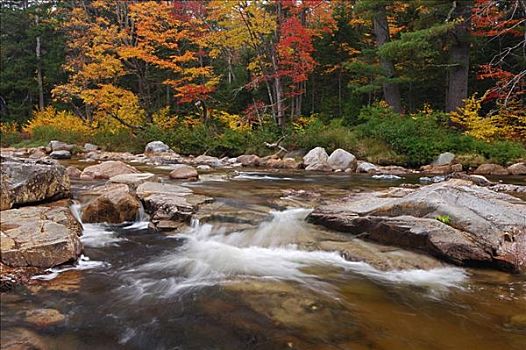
(255, 275)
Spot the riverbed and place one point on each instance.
(249, 273)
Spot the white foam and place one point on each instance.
(97, 236)
(210, 257)
(257, 176)
(83, 263)
(387, 177)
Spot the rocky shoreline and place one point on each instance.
(39, 231)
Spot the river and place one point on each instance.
(250, 273)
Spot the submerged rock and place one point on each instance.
(27, 181)
(44, 317)
(106, 170)
(477, 226)
(39, 237)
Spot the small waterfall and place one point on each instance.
(209, 256)
(142, 220)
(75, 210)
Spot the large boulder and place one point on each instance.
(517, 169)
(491, 169)
(183, 172)
(156, 147)
(106, 170)
(167, 202)
(114, 207)
(317, 155)
(26, 181)
(249, 160)
(39, 237)
(454, 220)
(444, 159)
(341, 159)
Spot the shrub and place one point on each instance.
(51, 121)
(9, 134)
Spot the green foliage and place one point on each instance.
(445, 219)
(421, 137)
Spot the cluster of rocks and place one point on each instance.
(446, 164)
(37, 229)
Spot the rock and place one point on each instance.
(444, 159)
(73, 172)
(316, 155)
(106, 170)
(22, 339)
(27, 181)
(60, 146)
(184, 172)
(44, 317)
(89, 147)
(485, 228)
(39, 236)
(167, 202)
(319, 167)
(508, 188)
(274, 163)
(249, 160)
(122, 156)
(366, 167)
(517, 169)
(491, 169)
(393, 170)
(442, 169)
(112, 207)
(208, 160)
(132, 180)
(37, 154)
(341, 159)
(156, 147)
(60, 155)
(291, 163)
(476, 179)
(203, 167)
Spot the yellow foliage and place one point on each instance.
(509, 122)
(232, 121)
(163, 119)
(8, 128)
(60, 120)
(301, 122)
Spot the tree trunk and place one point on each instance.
(381, 32)
(457, 90)
(39, 71)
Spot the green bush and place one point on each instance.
(422, 137)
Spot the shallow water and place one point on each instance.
(253, 276)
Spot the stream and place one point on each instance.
(252, 274)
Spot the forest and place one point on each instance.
(396, 82)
